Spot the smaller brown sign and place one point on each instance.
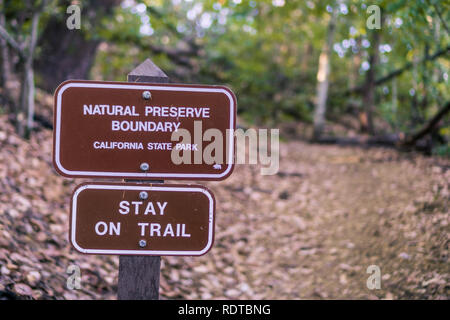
(142, 219)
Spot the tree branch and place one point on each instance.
(428, 127)
(15, 45)
(440, 17)
(34, 33)
(399, 71)
(177, 56)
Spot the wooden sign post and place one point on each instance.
(139, 275)
(101, 128)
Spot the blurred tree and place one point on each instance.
(366, 117)
(69, 54)
(24, 49)
(268, 51)
(323, 73)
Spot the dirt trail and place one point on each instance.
(309, 231)
(312, 230)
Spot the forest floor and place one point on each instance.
(308, 232)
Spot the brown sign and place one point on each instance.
(138, 219)
(134, 130)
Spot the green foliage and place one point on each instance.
(268, 51)
(442, 150)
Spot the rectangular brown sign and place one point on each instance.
(142, 219)
(143, 130)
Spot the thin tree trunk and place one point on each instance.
(21, 110)
(437, 36)
(6, 68)
(394, 100)
(5, 78)
(307, 52)
(29, 73)
(323, 78)
(369, 88)
(26, 113)
(356, 64)
(444, 24)
(425, 82)
(30, 100)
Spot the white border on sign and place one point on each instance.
(141, 252)
(141, 174)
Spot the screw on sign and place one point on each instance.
(146, 95)
(140, 221)
(143, 195)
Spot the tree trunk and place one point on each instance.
(65, 54)
(356, 64)
(30, 73)
(415, 112)
(323, 78)
(26, 114)
(369, 87)
(307, 52)
(20, 116)
(5, 71)
(30, 100)
(394, 100)
(69, 54)
(6, 67)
